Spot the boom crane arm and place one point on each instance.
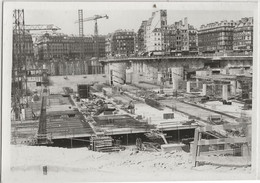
(95, 18)
(42, 27)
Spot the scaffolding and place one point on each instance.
(19, 65)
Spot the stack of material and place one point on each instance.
(84, 91)
(153, 103)
(168, 116)
(172, 147)
(103, 144)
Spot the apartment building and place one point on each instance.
(120, 43)
(216, 37)
(52, 46)
(243, 35)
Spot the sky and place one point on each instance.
(123, 19)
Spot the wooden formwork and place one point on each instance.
(198, 155)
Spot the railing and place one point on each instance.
(249, 54)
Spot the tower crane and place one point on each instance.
(41, 27)
(94, 18)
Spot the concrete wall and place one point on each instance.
(129, 75)
(147, 70)
(152, 70)
(116, 73)
(58, 82)
(177, 76)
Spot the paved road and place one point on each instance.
(193, 110)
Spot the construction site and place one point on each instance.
(198, 108)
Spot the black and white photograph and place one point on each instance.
(130, 91)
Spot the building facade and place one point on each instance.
(181, 38)
(76, 45)
(154, 32)
(157, 37)
(193, 40)
(23, 52)
(141, 46)
(120, 43)
(99, 46)
(64, 46)
(216, 37)
(243, 35)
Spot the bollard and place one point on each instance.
(45, 170)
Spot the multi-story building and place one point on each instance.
(181, 38)
(141, 37)
(108, 44)
(170, 38)
(216, 37)
(78, 45)
(154, 35)
(24, 50)
(99, 46)
(61, 46)
(52, 46)
(193, 40)
(243, 35)
(154, 31)
(121, 42)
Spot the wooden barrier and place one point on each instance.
(197, 155)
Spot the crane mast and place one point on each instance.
(95, 38)
(19, 65)
(41, 27)
(81, 33)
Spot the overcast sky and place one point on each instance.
(124, 19)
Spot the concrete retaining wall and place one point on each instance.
(58, 82)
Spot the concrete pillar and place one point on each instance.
(225, 92)
(204, 89)
(233, 87)
(23, 114)
(188, 87)
(175, 84)
(197, 82)
(160, 75)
